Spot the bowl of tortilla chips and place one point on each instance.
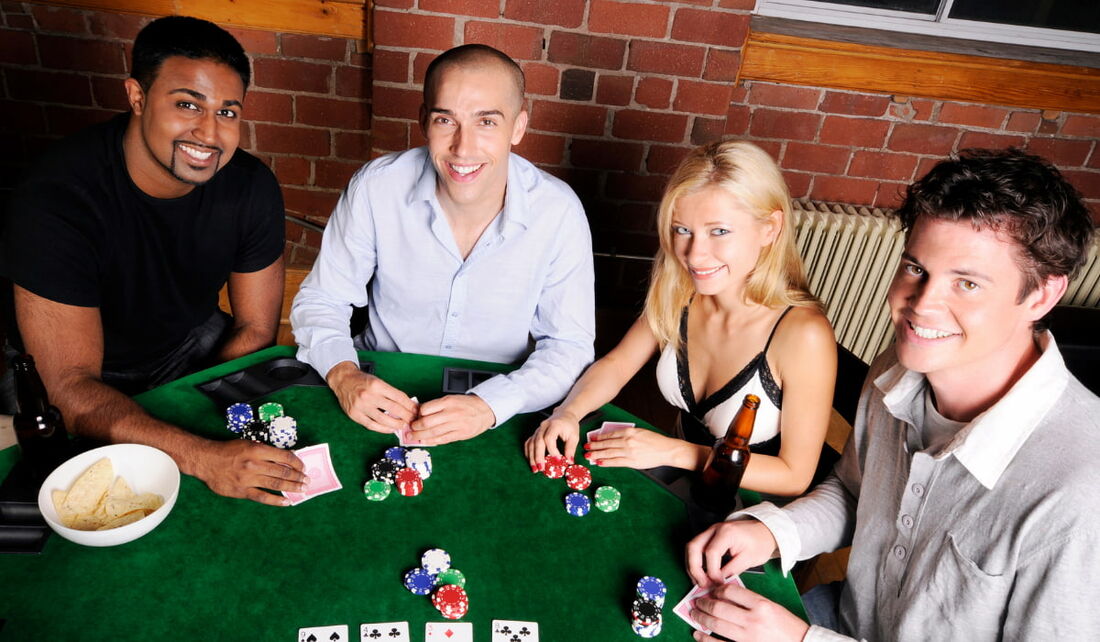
(110, 495)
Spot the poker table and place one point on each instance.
(220, 568)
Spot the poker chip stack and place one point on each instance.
(401, 468)
(645, 612)
(270, 426)
(578, 478)
(445, 584)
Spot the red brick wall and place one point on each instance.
(619, 91)
(307, 113)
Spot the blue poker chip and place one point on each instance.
(577, 504)
(419, 581)
(397, 454)
(238, 416)
(653, 589)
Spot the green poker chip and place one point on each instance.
(451, 576)
(377, 489)
(270, 410)
(608, 498)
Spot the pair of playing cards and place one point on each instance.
(503, 631)
(684, 606)
(607, 427)
(405, 436)
(322, 476)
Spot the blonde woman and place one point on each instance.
(729, 310)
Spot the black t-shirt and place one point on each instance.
(79, 231)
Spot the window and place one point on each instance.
(1062, 24)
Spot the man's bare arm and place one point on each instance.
(256, 299)
(67, 344)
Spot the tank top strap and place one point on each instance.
(774, 328)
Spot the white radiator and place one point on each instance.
(851, 254)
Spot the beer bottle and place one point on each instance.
(39, 427)
(721, 477)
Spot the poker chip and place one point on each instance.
(577, 504)
(451, 601)
(451, 576)
(647, 630)
(435, 560)
(555, 466)
(255, 431)
(419, 460)
(283, 432)
(652, 589)
(645, 612)
(238, 416)
(270, 410)
(608, 498)
(397, 454)
(419, 581)
(385, 469)
(377, 489)
(578, 477)
(408, 482)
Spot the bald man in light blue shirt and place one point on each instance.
(459, 249)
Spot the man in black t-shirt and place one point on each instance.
(118, 242)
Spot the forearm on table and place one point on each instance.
(540, 382)
(95, 410)
(246, 339)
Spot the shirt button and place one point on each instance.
(899, 552)
(907, 521)
(918, 490)
(454, 315)
(448, 347)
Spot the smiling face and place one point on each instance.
(472, 119)
(185, 127)
(717, 240)
(955, 304)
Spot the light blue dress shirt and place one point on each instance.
(525, 292)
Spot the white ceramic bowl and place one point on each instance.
(145, 469)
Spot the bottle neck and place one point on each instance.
(30, 392)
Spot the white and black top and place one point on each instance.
(706, 420)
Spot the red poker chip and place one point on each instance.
(555, 466)
(452, 601)
(409, 482)
(578, 477)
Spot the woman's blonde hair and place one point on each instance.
(750, 175)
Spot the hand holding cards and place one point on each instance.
(683, 608)
(317, 463)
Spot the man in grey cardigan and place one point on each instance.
(968, 489)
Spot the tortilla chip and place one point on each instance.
(122, 520)
(90, 487)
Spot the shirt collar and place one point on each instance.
(515, 210)
(987, 444)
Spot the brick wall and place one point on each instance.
(619, 91)
(307, 113)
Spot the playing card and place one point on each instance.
(449, 632)
(405, 436)
(384, 632)
(322, 476)
(515, 631)
(607, 427)
(683, 607)
(334, 633)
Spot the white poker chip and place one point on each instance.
(283, 423)
(435, 561)
(419, 460)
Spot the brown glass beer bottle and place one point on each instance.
(39, 427)
(721, 477)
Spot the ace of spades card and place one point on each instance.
(384, 632)
(515, 631)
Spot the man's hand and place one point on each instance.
(368, 400)
(636, 448)
(562, 425)
(452, 418)
(737, 613)
(748, 543)
(240, 468)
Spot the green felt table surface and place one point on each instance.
(220, 568)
